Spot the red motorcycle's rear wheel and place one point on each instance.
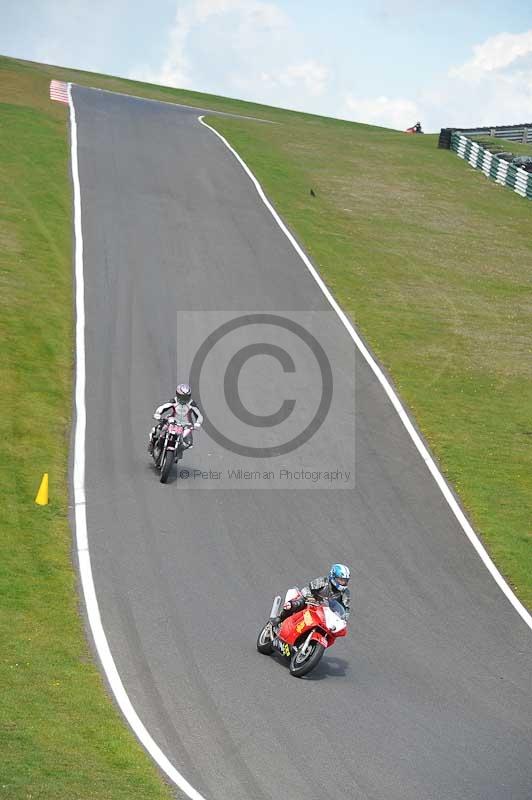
(264, 641)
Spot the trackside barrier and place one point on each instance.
(513, 133)
(497, 169)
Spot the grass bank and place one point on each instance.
(60, 735)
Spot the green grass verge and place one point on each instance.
(432, 262)
(60, 735)
(428, 257)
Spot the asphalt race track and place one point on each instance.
(430, 696)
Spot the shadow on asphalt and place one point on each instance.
(329, 667)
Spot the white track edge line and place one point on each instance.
(424, 453)
(80, 516)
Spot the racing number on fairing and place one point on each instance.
(283, 648)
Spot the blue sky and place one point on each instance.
(388, 62)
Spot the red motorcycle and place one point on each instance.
(169, 447)
(302, 637)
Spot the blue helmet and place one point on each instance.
(339, 577)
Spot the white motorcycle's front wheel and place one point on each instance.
(166, 466)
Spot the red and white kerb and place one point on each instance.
(59, 91)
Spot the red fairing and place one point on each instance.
(343, 632)
(318, 637)
(302, 622)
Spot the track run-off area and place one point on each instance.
(430, 695)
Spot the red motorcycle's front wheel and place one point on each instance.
(303, 662)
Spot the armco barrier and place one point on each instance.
(497, 169)
(513, 133)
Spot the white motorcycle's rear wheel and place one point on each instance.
(302, 663)
(264, 641)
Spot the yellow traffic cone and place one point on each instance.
(42, 494)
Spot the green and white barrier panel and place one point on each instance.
(497, 169)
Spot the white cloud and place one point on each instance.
(310, 74)
(493, 87)
(261, 17)
(246, 48)
(389, 112)
(252, 19)
(252, 49)
(494, 54)
(497, 100)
